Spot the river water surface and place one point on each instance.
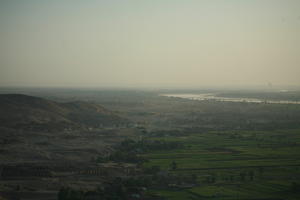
(211, 96)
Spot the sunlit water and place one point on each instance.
(210, 96)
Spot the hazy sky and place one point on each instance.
(149, 43)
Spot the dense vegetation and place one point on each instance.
(231, 165)
(129, 150)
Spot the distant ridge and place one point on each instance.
(25, 112)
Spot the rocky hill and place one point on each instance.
(25, 112)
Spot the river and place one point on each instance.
(211, 96)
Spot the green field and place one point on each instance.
(232, 165)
